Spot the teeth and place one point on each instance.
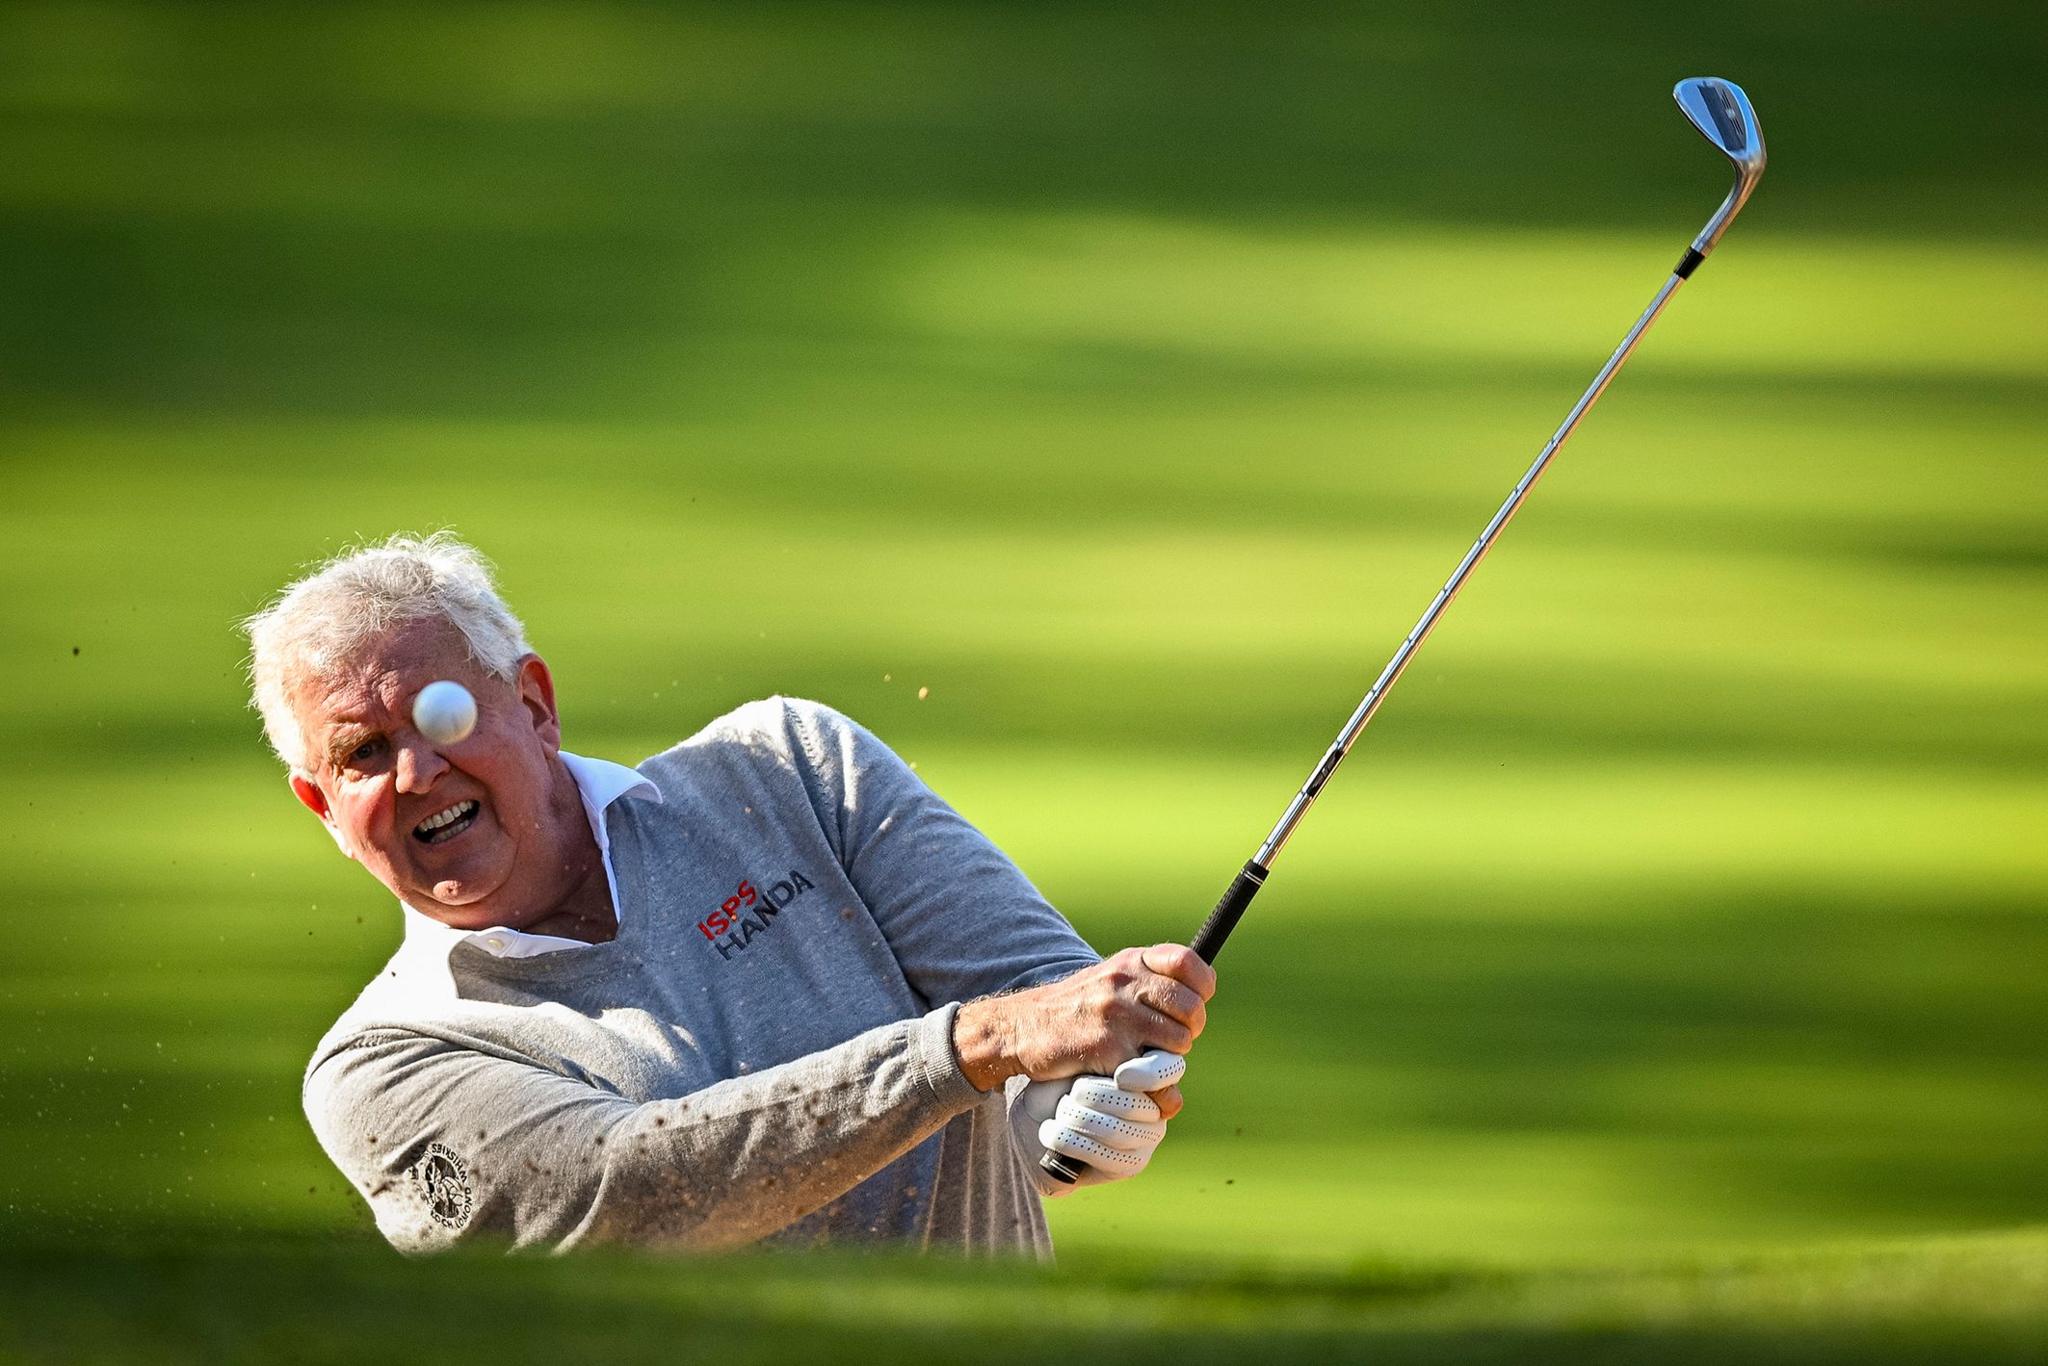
(448, 817)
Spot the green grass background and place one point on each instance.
(1664, 977)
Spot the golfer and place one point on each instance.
(764, 986)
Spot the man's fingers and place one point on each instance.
(1164, 1032)
(1182, 964)
(1169, 1102)
(1175, 1001)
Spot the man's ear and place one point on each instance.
(314, 800)
(537, 696)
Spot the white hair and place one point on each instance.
(326, 617)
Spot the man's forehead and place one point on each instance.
(345, 689)
(375, 677)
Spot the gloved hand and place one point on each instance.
(1110, 1123)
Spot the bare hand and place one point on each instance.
(1088, 1023)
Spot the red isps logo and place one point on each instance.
(727, 915)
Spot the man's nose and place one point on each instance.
(420, 765)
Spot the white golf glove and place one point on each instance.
(1109, 1123)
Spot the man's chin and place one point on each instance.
(475, 892)
(459, 894)
(462, 901)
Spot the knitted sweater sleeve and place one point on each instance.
(451, 1137)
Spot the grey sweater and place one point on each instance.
(764, 1052)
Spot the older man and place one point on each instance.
(764, 986)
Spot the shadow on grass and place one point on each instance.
(351, 1301)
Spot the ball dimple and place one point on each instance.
(444, 712)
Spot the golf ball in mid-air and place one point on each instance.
(444, 712)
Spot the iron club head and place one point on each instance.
(1725, 118)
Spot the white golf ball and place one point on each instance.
(444, 712)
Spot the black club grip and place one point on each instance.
(1208, 941)
(1061, 1168)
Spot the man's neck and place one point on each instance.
(586, 913)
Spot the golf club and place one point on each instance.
(1722, 113)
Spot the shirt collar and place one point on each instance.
(599, 783)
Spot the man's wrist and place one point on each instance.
(981, 1043)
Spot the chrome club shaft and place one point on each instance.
(1722, 114)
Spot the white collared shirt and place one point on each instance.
(599, 782)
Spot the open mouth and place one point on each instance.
(443, 826)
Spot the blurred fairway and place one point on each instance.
(1664, 978)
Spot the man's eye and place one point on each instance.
(365, 751)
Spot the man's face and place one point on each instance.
(374, 779)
